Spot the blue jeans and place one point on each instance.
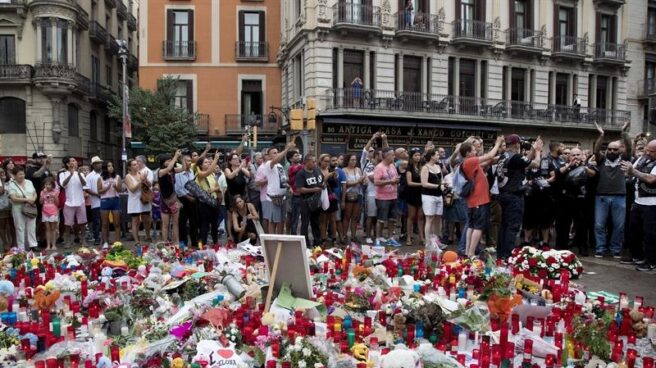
(297, 204)
(462, 244)
(616, 206)
(512, 214)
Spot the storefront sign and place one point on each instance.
(18, 160)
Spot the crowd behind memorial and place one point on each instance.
(601, 201)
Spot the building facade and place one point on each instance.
(224, 54)
(642, 98)
(442, 70)
(59, 67)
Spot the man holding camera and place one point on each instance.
(511, 172)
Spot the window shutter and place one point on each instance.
(513, 17)
(425, 6)
(190, 96)
(458, 10)
(480, 10)
(613, 29)
(529, 14)
(11, 50)
(573, 22)
(191, 24)
(241, 26)
(262, 26)
(170, 21)
(598, 27)
(556, 18)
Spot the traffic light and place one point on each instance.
(311, 114)
(296, 119)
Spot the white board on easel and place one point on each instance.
(293, 267)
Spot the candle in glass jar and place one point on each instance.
(528, 350)
(637, 302)
(462, 340)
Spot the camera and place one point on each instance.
(526, 144)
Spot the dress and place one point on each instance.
(236, 186)
(412, 193)
(135, 206)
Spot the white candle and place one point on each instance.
(124, 331)
(462, 341)
(651, 330)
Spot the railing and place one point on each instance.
(524, 37)
(356, 14)
(111, 46)
(11, 3)
(121, 10)
(650, 35)
(251, 50)
(238, 123)
(83, 84)
(646, 87)
(568, 45)
(132, 22)
(472, 29)
(417, 22)
(11, 72)
(97, 32)
(612, 51)
(111, 3)
(179, 50)
(468, 107)
(54, 70)
(202, 123)
(99, 92)
(82, 17)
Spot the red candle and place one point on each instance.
(84, 288)
(631, 356)
(647, 362)
(528, 350)
(550, 361)
(503, 340)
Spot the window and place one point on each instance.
(119, 34)
(411, 74)
(484, 79)
(57, 53)
(562, 81)
(108, 130)
(353, 66)
(108, 73)
(566, 21)
(372, 70)
(251, 34)
(451, 76)
(93, 126)
(602, 88)
(651, 22)
(520, 14)
(7, 49)
(518, 84)
(12, 116)
(335, 66)
(299, 76)
(73, 122)
(180, 33)
(429, 75)
(467, 77)
(184, 95)
(95, 70)
(467, 10)
(251, 97)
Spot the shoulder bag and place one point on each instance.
(28, 210)
(201, 195)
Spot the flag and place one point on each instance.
(127, 123)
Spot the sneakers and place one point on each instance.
(599, 255)
(617, 256)
(627, 260)
(639, 262)
(369, 241)
(379, 242)
(105, 245)
(646, 267)
(393, 243)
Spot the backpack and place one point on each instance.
(502, 169)
(460, 182)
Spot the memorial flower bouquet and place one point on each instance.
(536, 263)
(303, 354)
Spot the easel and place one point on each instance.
(272, 278)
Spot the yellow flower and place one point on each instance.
(35, 262)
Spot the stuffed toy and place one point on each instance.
(106, 275)
(401, 358)
(399, 324)
(6, 288)
(360, 352)
(45, 299)
(639, 326)
(155, 279)
(178, 363)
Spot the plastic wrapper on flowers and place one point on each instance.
(433, 358)
(543, 264)
(474, 318)
(541, 348)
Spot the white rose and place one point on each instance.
(302, 364)
(307, 352)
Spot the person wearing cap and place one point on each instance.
(92, 190)
(511, 173)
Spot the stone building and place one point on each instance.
(59, 66)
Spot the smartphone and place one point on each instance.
(248, 159)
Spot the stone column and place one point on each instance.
(340, 68)
(592, 99)
(477, 80)
(69, 47)
(609, 94)
(367, 70)
(508, 81)
(424, 75)
(399, 73)
(527, 85)
(53, 39)
(570, 89)
(552, 82)
(456, 76)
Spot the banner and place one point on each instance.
(127, 123)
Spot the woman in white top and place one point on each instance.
(352, 196)
(431, 195)
(109, 186)
(21, 193)
(136, 208)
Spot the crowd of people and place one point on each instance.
(519, 192)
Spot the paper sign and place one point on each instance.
(216, 355)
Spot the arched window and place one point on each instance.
(12, 116)
(93, 126)
(73, 121)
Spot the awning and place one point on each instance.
(416, 123)
(215, 144)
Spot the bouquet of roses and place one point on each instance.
(544, 264)
(558, 260)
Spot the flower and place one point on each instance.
(307, 352)
(301, 364)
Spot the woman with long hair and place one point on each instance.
(7, 231)
(169, 204)
(8, 167)
(413, 196)
(134, 181)
(22, 193)
(352, 197)
(431, 195)
(327, 217)
(244, 216)
(209, 215)
(109, 187)
(236, 176)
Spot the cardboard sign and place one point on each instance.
(216, 355)
(293, 267)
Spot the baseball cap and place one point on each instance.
(95, 159)
(513, 139)
(39, 155)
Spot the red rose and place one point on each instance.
(551, 260)
(532, 262)
(543, 273)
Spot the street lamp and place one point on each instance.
(123, 55)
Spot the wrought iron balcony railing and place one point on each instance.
(610, 51)
(202, 123)
(82, 18)
(524, 38)
(54, 71)
(236, 124)
(251, 50)
(352, 13)
(111, 3)
(132, 22)
(15, 73)
(568, 45)
(121, 10)
(97, 32)
(646, 87)
(111, 46)
(468, 29)
(83, 84)
(179, 50)
(418, 22)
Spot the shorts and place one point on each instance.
(371, 207)
(51, 218)
(146, 213)
(432, 205)
(402, 206)
(71, 214)
(479, 217)
(110, 204)
(273, 213)
(386, 210)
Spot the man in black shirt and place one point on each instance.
(511, 172)
(37, 171)
(310, 184)
(538, 213)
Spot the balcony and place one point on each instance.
(645, 88)
(83, 84)
(179, 50)
(133, 62)
(417, 25)
(202, 123)
(55, 77)
(14, 6)
(121, 11)
(610, 4)
(111, 4)
(82, 18)
(111, 47)
(15, 74)
(132, 23)
(251, 51)
(99, 93)
(524, 40)
(355, 17)
(97, 33)
(568, 47)
(469, 32)
(609, 53)
(236, 124)
(467, 109)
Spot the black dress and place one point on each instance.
(236, 186)
(250, 228)
(413, 194)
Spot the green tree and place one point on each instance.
(157, 122)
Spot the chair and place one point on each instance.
(499, 110)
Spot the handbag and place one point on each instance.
(278, 200)
(28, 210)
(352, 197)
(201, 195)
(146, 194)
(313, 201)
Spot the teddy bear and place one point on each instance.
(401, 358)
(639, 327)
(399, 324)
(45, 299)
(360, 352)
(106, 275)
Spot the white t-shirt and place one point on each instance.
(644, 201)
(276, 179)
(149, 174)
(92, 186)
(74, 189)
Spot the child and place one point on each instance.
(157, 214)
(87, 204)
(49, 199)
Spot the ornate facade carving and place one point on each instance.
(386, 15)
